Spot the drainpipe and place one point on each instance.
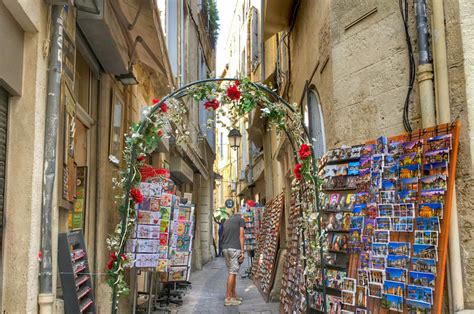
(46, 295)
(425, 68)
(262, 40)
(444, 116)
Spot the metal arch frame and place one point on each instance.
(182, 92)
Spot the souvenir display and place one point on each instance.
(249, 236)
(389, 223)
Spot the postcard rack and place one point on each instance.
(395, 233)
(75, 275)
(264, 265)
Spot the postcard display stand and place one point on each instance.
(263, 272)
(75, 275)
(387, 208)
(249, 236)
(292, 296)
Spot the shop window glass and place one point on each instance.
(313, 120)
(82, 82)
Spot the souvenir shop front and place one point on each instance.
(385, 208)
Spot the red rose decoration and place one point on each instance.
(155, 101)
(164, 107)
(237, 82)
(159, 133)
(233, 92)
(297, 171)
(304, 152)
(136, 195)
(141, 158)
(212, 104)
(161, 172)
(251, 203)
(123, 257)
(112, 259)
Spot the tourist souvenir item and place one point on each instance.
(428, 224)
(361, 296)
(362, 277)
(428, 210)
(422, 279)
(396, 274)
(348, 297)
(349, 284)
(418, 306)
(400, 261)
(382, 236)
(393, 288)
(392, 302)
(426, 237)
(425, 251)
(376, 276)
(375, 290)
(417, 293)
(399, 248)
(424, 265)
(434, 182)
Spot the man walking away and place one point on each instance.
(233, 250)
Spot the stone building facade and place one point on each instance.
(346, 64)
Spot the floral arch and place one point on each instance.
(240, 97)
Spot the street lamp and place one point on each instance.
(234, 139)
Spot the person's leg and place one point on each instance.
(230, 294)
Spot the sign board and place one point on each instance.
(229, 203)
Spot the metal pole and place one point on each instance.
(49, 168)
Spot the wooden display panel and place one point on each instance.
(374, 305)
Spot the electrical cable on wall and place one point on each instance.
(411, 59)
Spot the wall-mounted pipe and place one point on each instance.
(444, 116)
(425, 68)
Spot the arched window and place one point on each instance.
(313, 120)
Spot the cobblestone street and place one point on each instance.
(208, 292)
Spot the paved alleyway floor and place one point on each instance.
(208, 293)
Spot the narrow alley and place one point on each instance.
(208, 292)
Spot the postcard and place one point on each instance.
(357, 222)
(371, 211)
(426, 237)
(394, 147)
(434, 182)
(417, 307)
(362, 197)
(165, 212)
(162, 265)
(425, 251)
(333, 304)
(403, 224)
(164, 239)
(361, 311)
(379, 249)
(349, 284)
(400, 261)
(348, 297)
(367, 149)
(376, 181)
(366, 243)
(424, 265)
(364, 164)
(154, 204)
(392, 302)
(440, 142)
(428, 210)
(375, 290)
(436, 156)
(399, 248)
(163, 252)
(346, 312)
(415, 146)
(436, 168)
(391, 162)
(353, 168)
(394, 288)
(408, 196)
(409, 159)
(382, 236)
(381, 145)
(166, 199)
(148, 217)
(361, 296)
(377, 163)
(334, 278)
(146, 260)
(183, 244)
(409, 184)
(396, 274)
(388, 196)
(410, 171)
(148, 232)
(354, 239)
(404, 210)
(417, 293)
(432, 196)
(364, 259)
(164, 225)
(422, 279)
(376, 275)
(355, 151)
(362, 277)
(369, 227)
(427, 223)
(377, 262)
(334, 154)
(388, 184)
(338, 242)
(385, 210)
(382, 223)
(359, 209)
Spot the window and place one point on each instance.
(313, 119)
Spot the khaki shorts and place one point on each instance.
(231, 257)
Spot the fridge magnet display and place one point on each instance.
(382, 223)
(403, 224)
(362, 277)
(400, 261)
(392, 302)
(422, 279)
(424, 265)
(434, 182)
(348, 284)
(430, 210)
(377, 262)
(375, 290)
(393, 288)
(427, 223)
(418, 293)
(396, 274)
(426, 237)
(399, 248)
(382, 236)
(348, 297)
(376, 275)
(425, 251)
(418, 307)
(361, 296)
(380, 249)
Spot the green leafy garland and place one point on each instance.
(241, 97)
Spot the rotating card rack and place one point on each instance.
(76, 281)
(420, 211)
(263, 272)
